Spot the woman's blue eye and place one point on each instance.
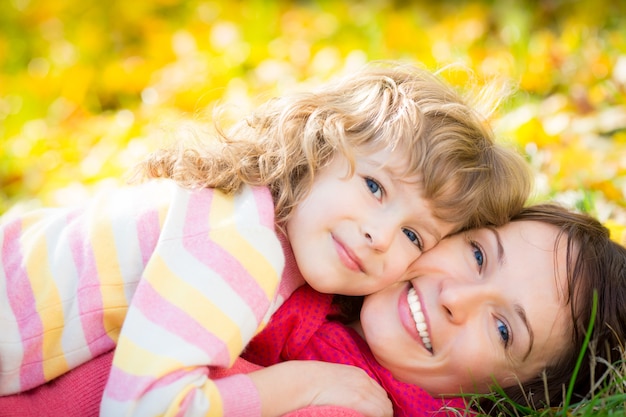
(503, 330)
(374, 187)
(414, 238)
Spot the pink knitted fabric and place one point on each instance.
(300, 330)
(75, 394)
(78, 394)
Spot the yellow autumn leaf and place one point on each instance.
(617, 230)
(532, 131)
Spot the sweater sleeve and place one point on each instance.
(66, 277)
(205, 292)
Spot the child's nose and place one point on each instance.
(379, 236)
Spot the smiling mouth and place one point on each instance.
(419, 318)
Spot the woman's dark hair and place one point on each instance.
(595, 263)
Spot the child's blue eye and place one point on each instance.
(374, 187)
(503, 330)
(414, 238)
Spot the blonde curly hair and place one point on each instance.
(468, 178)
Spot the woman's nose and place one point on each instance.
(461, 299)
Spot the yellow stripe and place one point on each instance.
(224, 232)
(215, 400)
(182, 295)
(105, 255)
(137, 361)
(211, 393)
(47, 301)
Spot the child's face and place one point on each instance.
(356, 235)
(492, 306)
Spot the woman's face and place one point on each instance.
(489, 305)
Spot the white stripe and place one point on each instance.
(157, 340)
(252, 230)
(204, 278)
(65, 277)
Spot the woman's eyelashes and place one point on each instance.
(374, 187)
(478, 253)
(504, 332)
(502, 328)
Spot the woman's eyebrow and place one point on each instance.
(531, 336)
(501, 255)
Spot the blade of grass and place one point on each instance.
(581, 354)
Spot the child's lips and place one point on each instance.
(347, 256)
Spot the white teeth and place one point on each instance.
(418, 316)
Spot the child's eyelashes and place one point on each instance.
(414, 238)
(374, 187)
(378, 191)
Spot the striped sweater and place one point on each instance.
(177, 280)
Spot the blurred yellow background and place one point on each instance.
(85, 84)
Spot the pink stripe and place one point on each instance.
(199, 244)
(239, 396)
(88, 292)
(126, 387)
(22, 301)
(265, 206)
(148, 230)
(171, 318)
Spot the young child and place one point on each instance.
(178, 274)
(486, 306)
